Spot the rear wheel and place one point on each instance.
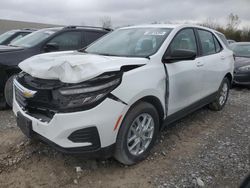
(222, 96)
(137, 134)
(3, 104)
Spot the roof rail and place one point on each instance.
(87, 27)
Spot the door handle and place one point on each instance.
(199, 64)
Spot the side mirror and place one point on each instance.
(179, 55)
(51, 47)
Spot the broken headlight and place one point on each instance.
(87, 94)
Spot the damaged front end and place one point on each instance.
(42, 98)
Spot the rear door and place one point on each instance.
(68, 40)
(212, 63)
(185, 77)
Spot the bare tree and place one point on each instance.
(106, 22)
(210, 23)
(155, 22)
(233, 21)
(245, 34)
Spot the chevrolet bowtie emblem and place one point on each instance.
(27, 93)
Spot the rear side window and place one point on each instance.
(207, 42)
(71, 40)
(223, 38)
(218, 47)
(184, 40)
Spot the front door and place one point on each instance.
(185, 82)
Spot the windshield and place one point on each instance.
(6, 35)
(133, 42)
(241, 50)
(33, 38)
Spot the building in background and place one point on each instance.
(6, 25)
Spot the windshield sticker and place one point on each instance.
(155, 33)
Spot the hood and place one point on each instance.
(241, 61)
(4, 48)
(74, 66)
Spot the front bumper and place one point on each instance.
(242, 78)
(57, 131)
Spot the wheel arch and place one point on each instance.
(229, 76)
(153, 100)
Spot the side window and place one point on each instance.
(218, 47)
(184, 40)
(92, 36)
(68, 40)
(207, 42)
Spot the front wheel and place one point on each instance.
(137, 134)
(8, 91)
(222, 96)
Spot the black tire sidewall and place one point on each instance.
(138, 109)
(8, 91)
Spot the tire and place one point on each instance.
(3, 104)
(221, 99)
(8, 91)
(140, 111)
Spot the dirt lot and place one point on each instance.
(204, 148)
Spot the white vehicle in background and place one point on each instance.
(112, 98)
(230, 41)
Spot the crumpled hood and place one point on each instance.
(74, 66)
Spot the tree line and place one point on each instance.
(231, 29)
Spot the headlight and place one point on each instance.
(245, 68)
(87, 94)
(75, 90)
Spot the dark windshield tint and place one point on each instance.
(33, 39)
(132, 42)
(241, 50)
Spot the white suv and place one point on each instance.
(113, 97)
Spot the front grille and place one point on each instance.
(21, 100)
(86, 135)
(42, 97)
(34, 105)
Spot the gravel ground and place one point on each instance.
(205, 149)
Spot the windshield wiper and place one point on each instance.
(106, 54)
(83, 50)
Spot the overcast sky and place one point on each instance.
(123, 12)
